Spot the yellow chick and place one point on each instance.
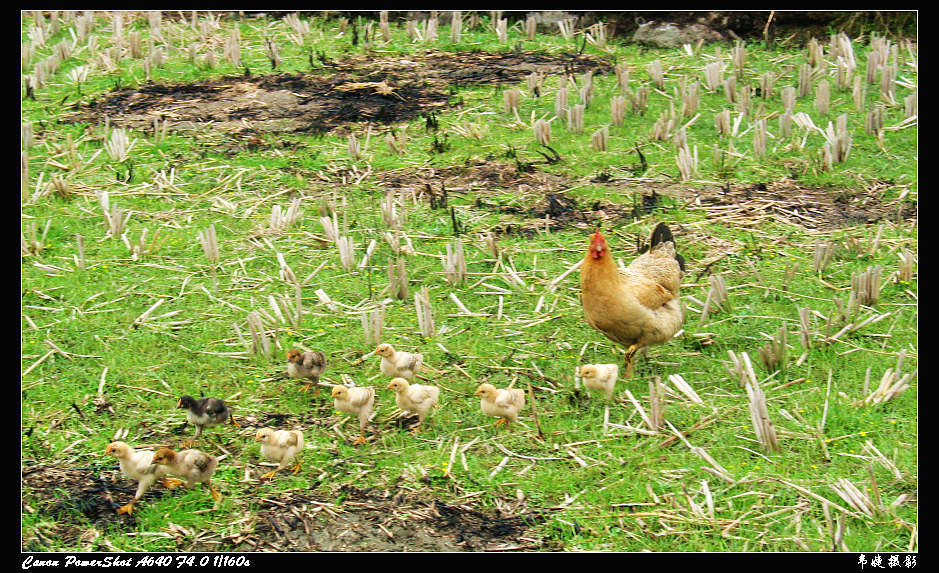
(502, 402)
(282, 446)
(355, 400)
(193, 465)
(399, 364)
(600, 377)
(415, 398)
(139, 466)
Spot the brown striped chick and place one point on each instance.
(600, 377)
(502, 402)
(281, 446)
(399, 364)
(415, 398)
(308, 365)
(139, 466)
(193, 465)
(355, 400)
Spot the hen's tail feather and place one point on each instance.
(662, 234)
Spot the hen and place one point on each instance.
(399, 364)
(600, 377)
(637, 306)
(281, 446)
(415, 398)
(502, 402)
(205, 412)
(138, 466)
(309, 365)
(358, 401)
(193, 465)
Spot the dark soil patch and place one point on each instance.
(537, 200)
(381, 90)
(801, 26)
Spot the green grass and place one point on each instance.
(90, 313)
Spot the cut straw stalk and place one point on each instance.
(425, 314)
(685, 388)
(759, 416)
(372, 325)
(454, 263)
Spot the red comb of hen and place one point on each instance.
(597, 245)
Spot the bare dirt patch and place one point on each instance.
(376, 89)
(369, 520)
(81, 501)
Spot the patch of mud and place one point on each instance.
(375, 89)
(384, 521)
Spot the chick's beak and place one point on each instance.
(179, 403)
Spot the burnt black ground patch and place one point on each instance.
(374, 89)
(82, 502)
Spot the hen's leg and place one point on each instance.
(628, 360)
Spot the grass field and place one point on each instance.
(128, 302)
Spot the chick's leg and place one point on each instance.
(234, 423)
(216, 495)
(417, 429)
(191, 441)
(363, 419)
(270, 475)
(171, 483)
(128, 509)
(500, 422)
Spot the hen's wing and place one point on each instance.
(646, 291)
